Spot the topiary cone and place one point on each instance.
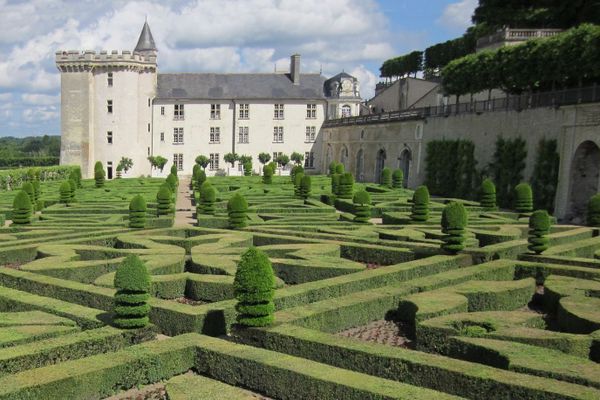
(346, 186)
(386, 177)
(65, 193)
(305, 187)
(30, 190)
(398, 179)
(208, 196)
(420, 205)
(137, 212)
(539, 228)
(267, 174)
(22, 209)
(362, 206)
(488, 195)
(454, 221)
(523, 198)
(163, 200)
(237, 209)
(297, 181)
(132, 282)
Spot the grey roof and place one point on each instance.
(146, 41)
(239, 86)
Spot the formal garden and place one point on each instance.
(291, 287)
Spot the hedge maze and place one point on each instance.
(480, 315)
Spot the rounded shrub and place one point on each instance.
(208, 196)
(420, 205)
(362, 206)
(295, 170)
(523, 198)
(237, 208)
(195, 171)
(132, 282)
(30, 190)
(163, 200)
(386, 177)
(297, 181)
(539, 228)
(593, 211)
(454, 222)
(22, 209)
(174, 170)
(247, 168)
(305, 186)
(339, 168)
(65, 193)
(172, 182)
(76, 176)
(267, 174)
(488, 195)
(137, 212)
(332, 168)
(99, 177)
(73, 185)
(397, 179)
(335, 183)
(37, 193)
(253, 287)
(346, 186)
(200, 178)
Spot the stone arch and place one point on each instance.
(404, 162)
(585, 175)
(344, 156)
(360, 159)
(379, 164)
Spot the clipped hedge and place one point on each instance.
(237, 209)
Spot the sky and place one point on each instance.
(332, 36)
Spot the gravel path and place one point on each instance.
(184, 214)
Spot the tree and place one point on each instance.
(202, 161)
(158, 162)
(362, 206)
(132, 282)
(237, 207)
(539, 228)
(545, 174)
(283, 160)
(264, 158)
(231, 158)
(454, 221)
(253, 287)
(125, 164)
(137, 212)
(22, 209)
(420, 205)
(297, 158)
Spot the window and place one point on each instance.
(213, 161)
(162, 136)
(278, 111)
(346, 111)
(243, 135)
(311, 133)
(162, 110)
(309, 159)
(215, 111)
(311, 111)
(148, 126)
(177, 135)
(109, 106)
(109, 137)
(109, 80)
(148, 101)
(278, 134)
(178, 160)
(178, 112)
(244, 111)
(276, 155)
(215, 134)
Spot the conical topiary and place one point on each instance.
(593, 211)
(253, 287)
(305, 187)
(37, 193)
(335, 183)
(332, 168)
(137, 212)
(339, 168)
(454, 222)
(247, 168)
(195, 170)
(172, 182)
(295, 170)
(539, 228)
(30, 190)
(65, 193)
(386, 177)
(200, 178)
(267, 174)
(362, 206)
(488, 195)
(163, 200)
(174, 170)
(420, 205)
(346, 186)
(76, 176)
(297, 181)
(132, 282)
(523, 198)
(237, 207)
(99, 177)
(398, 179)
(73, 185)
(208, 196)
(22, 209)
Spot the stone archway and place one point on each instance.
(359, 173)
(379, 165)
(585, 174)
(404, 164)
(344, 156)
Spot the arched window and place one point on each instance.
(346, 111)
(359, 166)
(379, 164)
(344, 156)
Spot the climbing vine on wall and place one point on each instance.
(450, 168)
(507, 168)
(545, 175)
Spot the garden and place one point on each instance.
(291, 287)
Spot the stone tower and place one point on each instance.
(106, 106)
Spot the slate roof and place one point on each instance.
(211, 86)
(146, 41)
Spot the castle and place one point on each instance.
(118, 105)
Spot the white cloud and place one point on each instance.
(367, 81)
(5, 97)
(40, 99)
(40, 114)
(457, 16)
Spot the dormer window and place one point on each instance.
(346, 111)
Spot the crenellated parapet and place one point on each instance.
(89, 60)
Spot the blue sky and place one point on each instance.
(209, 35)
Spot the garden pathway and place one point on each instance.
(184, 210)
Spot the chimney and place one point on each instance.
(295, 69)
